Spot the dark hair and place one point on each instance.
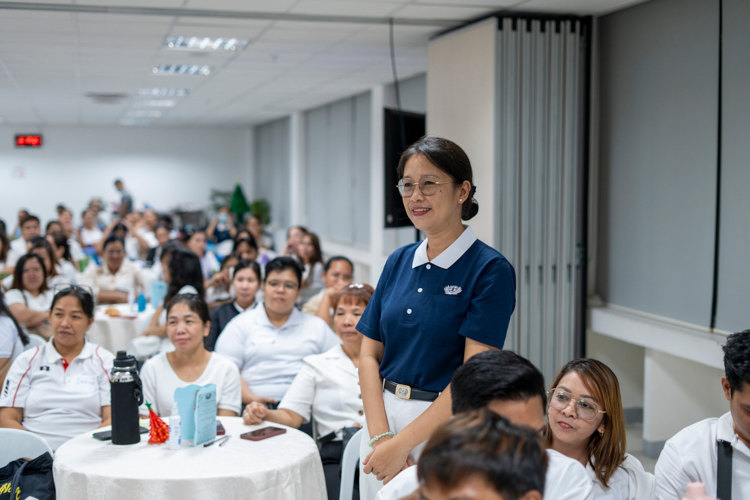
(61, 241)
(3, 228)
(194, 302)
(737, 360)
(280, 264)
(50, 224)
(605, 451)
(247, 264)
(184, 270)
(44, 244)
(29, 218)
(509, 458)
(18, 272)
(117, 180)
(113, 239)
(301, 228)
(493, 375)
(4, 311)
(119, 227)
(79, 292)
(166, 220)
(160, 225)
(5, 244)
(317, 255)
(448, 157)
(248, 239)
(336, 258)
(190, 231)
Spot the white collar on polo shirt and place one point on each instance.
(53, 356)
(343, 361)
(450, 255)
(725, 432)
(294, 319)
(241, 310)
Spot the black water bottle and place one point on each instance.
(127, 396)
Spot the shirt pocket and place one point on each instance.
(83, 384)
(446, 315)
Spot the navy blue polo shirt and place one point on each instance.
(423, 311)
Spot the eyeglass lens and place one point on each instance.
(426, 187)
(586, 409)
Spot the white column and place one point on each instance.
(297, 169)
(377, 176)
(247, 178)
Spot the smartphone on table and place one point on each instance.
(220, 431)
(107, 435)
(264, 433)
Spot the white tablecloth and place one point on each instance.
(287, 466)
(114, 334)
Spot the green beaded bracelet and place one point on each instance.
(379, 436)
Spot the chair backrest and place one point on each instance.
(34, 340)
(349, 466)
(20, 444)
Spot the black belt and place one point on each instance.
(406, 392)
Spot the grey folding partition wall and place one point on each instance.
(541, 91)
(272, 168)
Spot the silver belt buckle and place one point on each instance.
(403, 391)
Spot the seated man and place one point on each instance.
(508, 385)
(692, 455)
(481, 455)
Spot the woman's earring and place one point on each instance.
(460, 199)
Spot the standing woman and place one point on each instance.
(438, 303)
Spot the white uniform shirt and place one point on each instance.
(160, 382)
(128, 275)
(91, 236)
(16, 251)
(68, 271)
(691, 456)
(59, 404)
(41, 302)
(327, 388)
(618, 485)
(566, 479)
(268, 357)
(10, 342)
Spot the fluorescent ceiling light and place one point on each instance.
(204, 43)
(134, 121)
(154, 103)
(181, 69)
(143, 113)
(161, 92)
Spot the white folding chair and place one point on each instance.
(20, 444)
(34, 340)
(349, 466)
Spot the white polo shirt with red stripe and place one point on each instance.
(60, 401)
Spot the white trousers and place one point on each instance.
(400, 413)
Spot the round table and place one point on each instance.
(114, 333)
(287, 466)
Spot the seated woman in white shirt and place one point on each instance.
(308, 250)
(4, 248)
(326, 390)
(117, 276)
(29, 297)
(586, 422)
(219, 290)
(66, 266)
(13, 339)
(60, 390)
(90, 233)
(43, 249)
(269, 342)
(187, 325)
(195, 241)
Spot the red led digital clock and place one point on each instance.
(28, 141)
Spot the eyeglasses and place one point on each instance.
(586, 408)
(74, 288)
(114, 253)
(426, 187)
(289, 286)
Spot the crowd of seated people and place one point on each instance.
(278, 336)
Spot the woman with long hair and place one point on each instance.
(309, 253)
(12, 338)
(29, 297)
(586, 422)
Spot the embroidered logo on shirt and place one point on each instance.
(452, 290)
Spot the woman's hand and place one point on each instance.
(255, 413)
(219, 279)
(387, 459)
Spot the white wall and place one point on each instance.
(163, 167)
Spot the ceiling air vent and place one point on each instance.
(107, 97)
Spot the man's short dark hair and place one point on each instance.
(737, 360)
(118, 181)
(511, 459)
(280, 264)
(29, 218)
(113, 239)
(493, 375)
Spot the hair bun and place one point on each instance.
(470, 209)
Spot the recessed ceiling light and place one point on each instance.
(134, 121)
(154, 103)
(160, 92)
(143, 113)
(205, 43)
(181, 69)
